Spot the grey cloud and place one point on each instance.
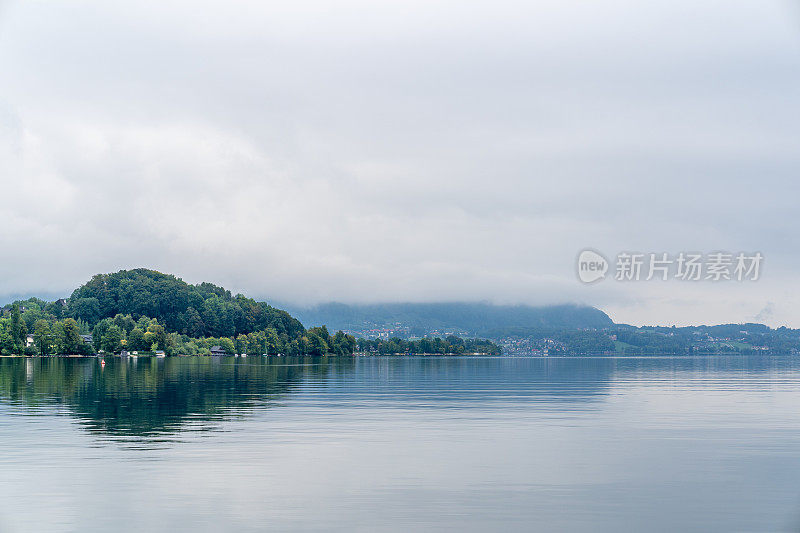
(400, 151)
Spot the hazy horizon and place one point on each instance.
(289, 305)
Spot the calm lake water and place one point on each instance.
(400, 444)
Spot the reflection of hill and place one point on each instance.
(163, 396)
(152, 396)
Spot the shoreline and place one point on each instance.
(554, 356)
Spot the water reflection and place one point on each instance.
(445, 382)
(385, 444)
(151, 396)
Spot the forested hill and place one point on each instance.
(472, 318)
(203, 310)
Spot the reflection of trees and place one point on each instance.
(157, 396)
(149, 395)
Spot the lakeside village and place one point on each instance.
(34, 330)
(145, 312)
(744, 339)
(616, 339)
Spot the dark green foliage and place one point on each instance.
(17, 330)
(43, 337)
(430, 346)
(87, 309)
(147, 335)
(112, 340)
(124, 322)
(316, 345)
(99, 332)
(227, 345)
(241, 343)
(203, 310)
(68, 339)
(136, 340)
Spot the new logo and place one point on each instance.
(591, 266)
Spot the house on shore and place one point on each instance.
(217, 350)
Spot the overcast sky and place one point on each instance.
(310, 151)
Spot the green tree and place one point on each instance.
(317, 345)
(294, 347)
(99, 331)
(31, 315)
(43, 337)
(272, 341)
(87, 309)
(6, 339)
(159, 335)
(143, 323)
(343, 344)
(241, 343)
(124, 322)
(150, 341)
(112, 340)
(226, 343)
(322, 333)
(194, 323)
(17, 330)
(136, 339)
(256, 344)
(69, 341)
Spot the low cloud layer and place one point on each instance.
(411, 151)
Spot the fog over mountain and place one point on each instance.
(469, 318)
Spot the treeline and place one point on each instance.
(651, 340)
(559, 341)
(66, 336)
(144, 310)
(203, 310)
(724, 338)
(428, 345)
(50, 335)
(148, 335)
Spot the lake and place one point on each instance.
(208, 444)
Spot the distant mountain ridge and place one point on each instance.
(472, 318)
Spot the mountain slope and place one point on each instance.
(473, 318)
